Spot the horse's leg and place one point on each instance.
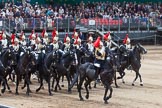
(30, 78)
(111, 90)
(135, 78)
(141, 83)
(79, 88)
(90, 86)
(41, 84)
(123, 78)
(86, 87)
(49, 86)
(105, 95)
(53, 81)
(68, 79)
(95, 84)
(57, 82)
(8, 87)
(62, 81)
(17, 83)
(27, 83)
(4, 84)
(115, 81)
(24, 84)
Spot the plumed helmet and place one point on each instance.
(4, 35)
(128, 40)
(97, 42)
(75, 34)
(67, 39)
(56, 33)
(46, 34)
(55, 38)
(33, 36)
(38, 39)
(16, 40)
(23, 36)
(90, 38)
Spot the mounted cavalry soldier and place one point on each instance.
(38, 45)
(99, 53)
(77, 43)
(22, 39)
(16, 48)
(99, 56)
(89, 45)
(66, 47)
(13, 36)
(54, 45)
(126, 42)
(107, 40)
(32, 38)
(4, 41)
(45, 39)
(74, 37)
(54, 34)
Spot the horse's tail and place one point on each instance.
(75, 79)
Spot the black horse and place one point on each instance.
(87, 72)
(8, 58)
(63, 67)
(133, 59)
(23, 69)
(45, 68)
(2, 77)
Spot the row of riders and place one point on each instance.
(77, 60)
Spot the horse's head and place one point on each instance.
(112, 59)
(122, 49)
(11, 56)
(73, 56)
(141, 49)
(31, 56)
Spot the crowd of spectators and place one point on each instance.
(112, 10)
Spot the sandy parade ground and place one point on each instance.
(127, 96)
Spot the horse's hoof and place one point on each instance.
(106, 102)
(62, 85)
(55, 90)
(10, 91)
(50, 94)
(118, 77)
(16, 93)
(141, 84)
(2, 91)
(87, 96)
(117, 86)
(123, 82)
(132, 84)
(60, 89)
(81, 99)
(69, 91)
(52, 90)
(90, 87)
(27, 94)
(36, 90)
